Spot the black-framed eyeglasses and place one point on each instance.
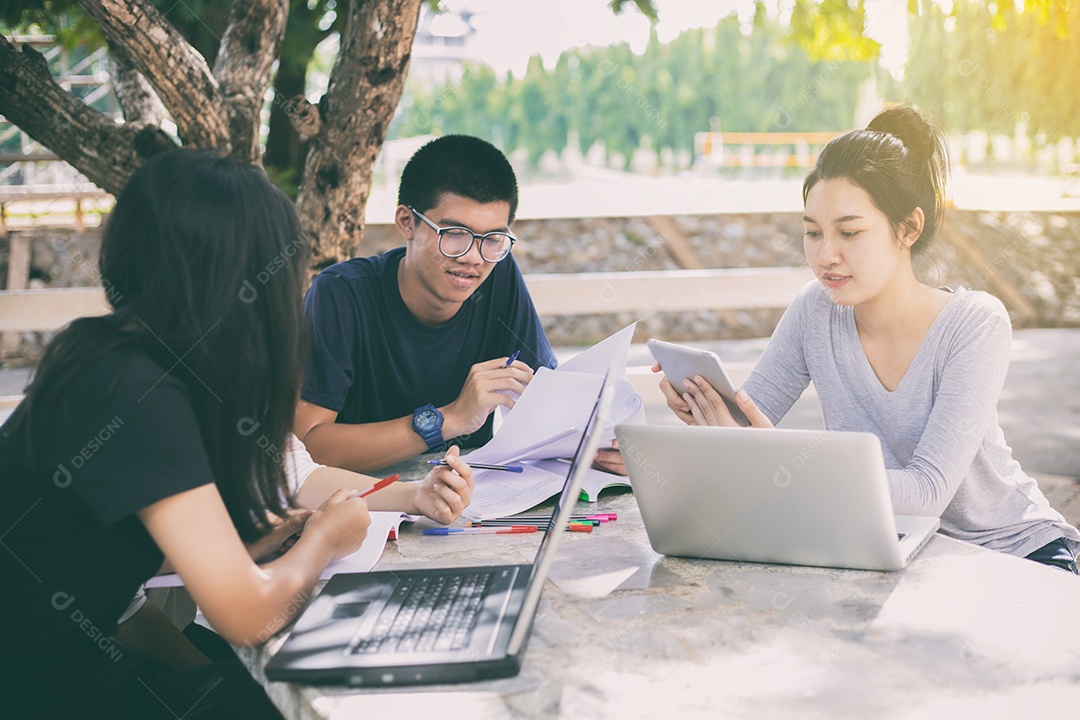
(457, 241)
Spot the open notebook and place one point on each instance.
(384, 526)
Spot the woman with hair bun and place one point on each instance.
(919, 366)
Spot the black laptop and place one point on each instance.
(445, 625)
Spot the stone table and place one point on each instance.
(623, 632)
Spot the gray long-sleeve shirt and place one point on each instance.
(944, 449)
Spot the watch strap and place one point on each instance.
(433, 437)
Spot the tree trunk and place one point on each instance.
(248, 50)
(178, 73)
(365, 86)
(137, 99)
(220, 108)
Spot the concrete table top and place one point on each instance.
(625, 632)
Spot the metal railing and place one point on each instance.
(33, 178)
(742, 149)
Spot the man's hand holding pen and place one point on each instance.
(446, 491)
(485, 389)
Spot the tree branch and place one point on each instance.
(248, 50)
(137, 99)
(365, 86)
(105, 152)
(177, 71)
(303, 116)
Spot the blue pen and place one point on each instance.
(483, 466)
(512, 358)
(509, 530)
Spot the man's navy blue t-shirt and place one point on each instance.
(373, 360)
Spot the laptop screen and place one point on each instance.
(564, 506)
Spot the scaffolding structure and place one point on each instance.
(34, 182)
(82, 72)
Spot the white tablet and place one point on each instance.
(680, 362)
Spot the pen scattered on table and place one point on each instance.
(507, 530)
(597, 517)
(381, 484)
(576, 523)
(483, 466)
(537, 523)
(574, 526)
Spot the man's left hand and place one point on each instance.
(446, 491)
(610, 459)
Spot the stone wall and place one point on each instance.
(1030, 260)
(1034, 254)
(60, 258)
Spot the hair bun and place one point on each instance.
(909, 125)
(901, 160)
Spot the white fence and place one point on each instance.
(554, 294)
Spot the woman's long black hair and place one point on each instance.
(203, 262)
(901, 160)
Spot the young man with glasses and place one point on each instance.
(410, 349)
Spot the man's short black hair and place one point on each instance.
(459, 164)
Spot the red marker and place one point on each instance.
(381, 484)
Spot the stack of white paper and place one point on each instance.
(547, 422)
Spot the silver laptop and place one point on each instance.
(794, 497)
(413, 627)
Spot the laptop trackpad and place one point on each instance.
(346, 610)
(361, 605)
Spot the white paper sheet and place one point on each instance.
(382, 525)
(363, 560)
(598, 358)
(558, 401)
(500, 493)
(594, 360)
(547, 422)
(595, 480)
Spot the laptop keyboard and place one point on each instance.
(428, 614)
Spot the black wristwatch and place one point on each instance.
(427, 423)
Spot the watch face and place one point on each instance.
(427, 420)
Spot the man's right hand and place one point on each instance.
(481, 395)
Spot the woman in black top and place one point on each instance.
(154, 433)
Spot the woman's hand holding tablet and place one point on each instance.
(699, 390)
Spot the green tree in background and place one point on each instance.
(716, 78)
(991, 69)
